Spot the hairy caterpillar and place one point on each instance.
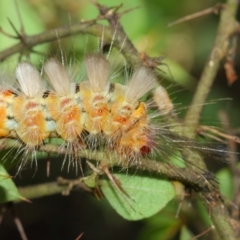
(95, 113)
(92, 113)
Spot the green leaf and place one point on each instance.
(185, 233)
(146, 195)
(224, 176)
(8, 189)
(170, 225)
(90, 180)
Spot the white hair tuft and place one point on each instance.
(58, 77)
(143, 80)
(29, 79)
(97, 68)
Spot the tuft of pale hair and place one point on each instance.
(7, 81)
(97, 68)
(162, 100)
(29, 79)
(58, 77)
(143, 80)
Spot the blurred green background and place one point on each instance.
(185, 47)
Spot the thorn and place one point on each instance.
(3, 210)
(17, 221)
(15, 30)
(118, 186)
(113, 179)
(5, 176)
(216, 9)
(204, 232)
(80, 236)
(7, 34)
(48, 168)
(25, 199)
(20, 18)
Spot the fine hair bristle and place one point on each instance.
(97, 68)
(29, 79)
(143, 80)
(58, 77)
(162, 100)
(6, 80)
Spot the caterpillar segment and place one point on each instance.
(7, 121)
(64, 102)
(95, 94)
(34, 124)
(112, 126)
(132, 128)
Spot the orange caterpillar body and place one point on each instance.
(64, 102)
(7, 122)
(29, 108)
(91, 113)
(95, 93)
(131, 115)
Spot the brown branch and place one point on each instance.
(233, 160)
(51, 35)
(121, 42)
(227, 27)
(216, 9)
(198, 181)
(17, 221)
(218, 133)
(41, 190)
